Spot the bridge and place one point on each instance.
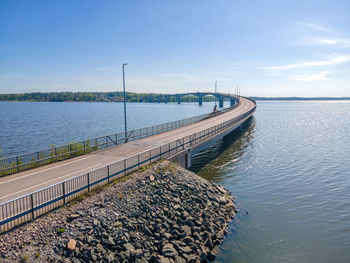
(219, 96)
(28, 194)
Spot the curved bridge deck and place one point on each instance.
(21, 185)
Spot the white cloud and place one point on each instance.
(333, 42)
(328, 41)
(322, 35)
(317, 27)
(310, 77)
(327, 62)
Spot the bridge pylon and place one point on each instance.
(221, 102)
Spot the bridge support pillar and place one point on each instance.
(188, 158)
(178, 99)
(166, 99)
(232, 102)
(200, 100)
(221, 102)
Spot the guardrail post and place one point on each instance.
(17, 161)
(138, 161)
(32, 205)
(169, 150)
(108, 173)
(38, 157)
(64, 193)
(160, 152)
(124, 166)
(88, 179)
(150, 156)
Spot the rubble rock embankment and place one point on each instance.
(163, 214)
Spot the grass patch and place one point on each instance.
(60, 231)
(24, 258)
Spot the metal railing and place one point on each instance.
(14, 164)
(28, 207)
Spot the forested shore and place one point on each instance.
(98, 97)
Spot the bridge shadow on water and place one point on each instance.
(222, 151)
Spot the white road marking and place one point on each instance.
(21, 177)
(99, 164)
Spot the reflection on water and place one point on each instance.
(223, 152)
(290, 171)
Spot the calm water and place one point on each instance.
(32, 126)
(290, 170)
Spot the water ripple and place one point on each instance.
(290, 170)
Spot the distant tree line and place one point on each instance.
(300, 98)
(98, 97)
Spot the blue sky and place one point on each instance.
(268, 48)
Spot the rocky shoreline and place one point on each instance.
(163, 214)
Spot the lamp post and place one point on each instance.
(216, 89)
(125, 126)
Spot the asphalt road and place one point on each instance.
(19, 184)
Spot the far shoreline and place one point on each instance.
(155, 102)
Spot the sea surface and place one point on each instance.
(289, 168)
(32, 126)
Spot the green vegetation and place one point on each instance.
(60, 231)
(37, 254)
(73, 149)
(98, 97)
(24, 258)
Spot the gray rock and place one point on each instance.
(72, 217)
(211, 256)
(209, 242)
(136, 253)
(141, 260)
(100, 247)
(222, 200)
(169, 250)
(219, 234)
(129, 247)
(185, 250)
(187, 230)
(179, 259)
(110, 257)
(164, 260)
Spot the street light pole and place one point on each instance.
(125, 126)
(216, 89)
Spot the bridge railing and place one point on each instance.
(14, 164)
(30, 206)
